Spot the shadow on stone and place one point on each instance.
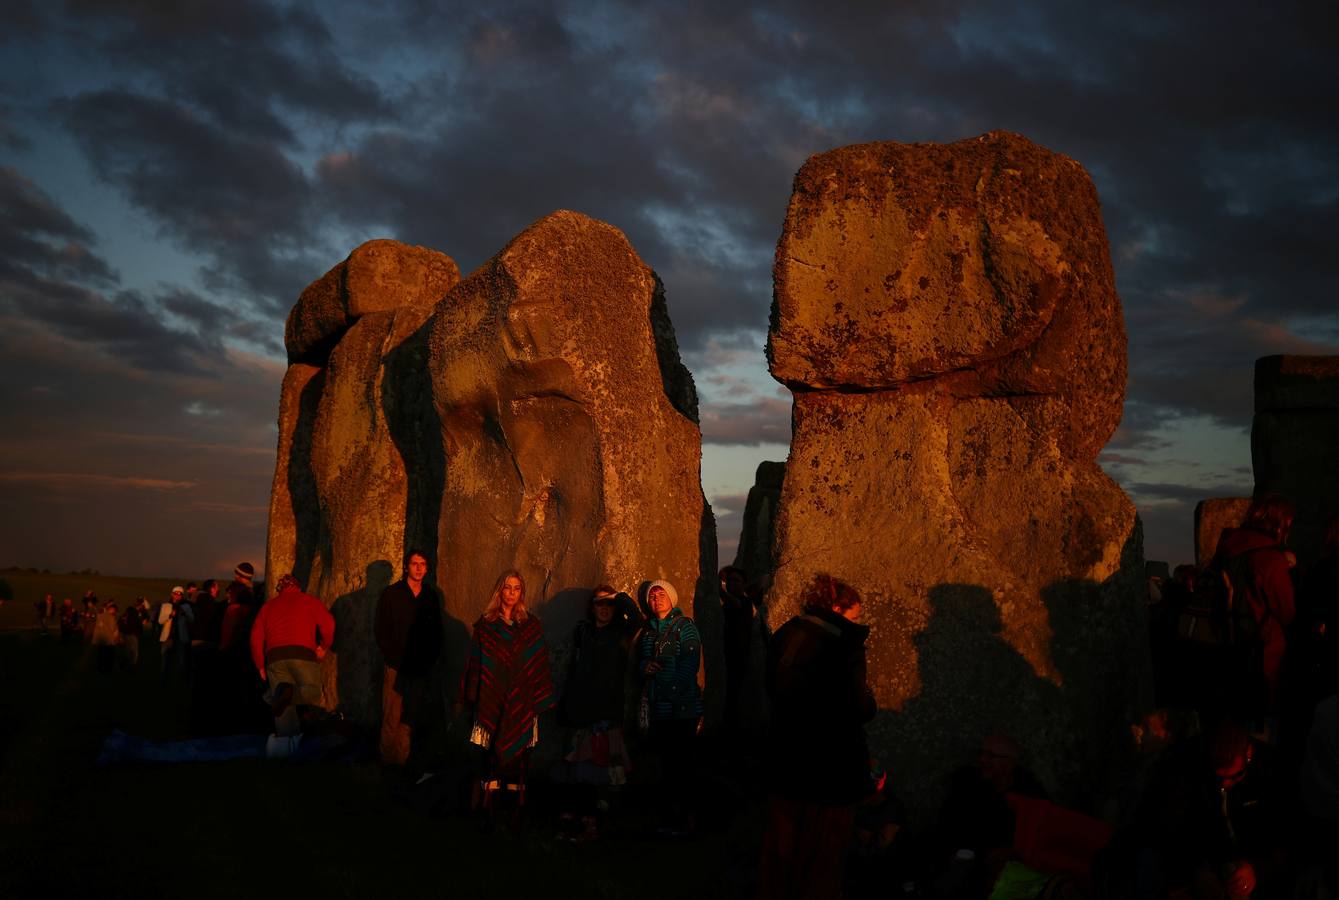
(406, 402)
(302, 481)
(356, 663)
(974, 683)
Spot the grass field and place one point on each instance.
(269, 828)
(29, 587)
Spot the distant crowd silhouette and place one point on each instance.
(1232, 788)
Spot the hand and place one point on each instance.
(651, 668)
(320, 653)
(262, 675)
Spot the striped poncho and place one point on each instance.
(507, 681)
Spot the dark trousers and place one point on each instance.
(804, 850)
(674, 742)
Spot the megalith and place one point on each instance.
(359, 466)
(570, 430)
(535, 415)
(947, 320)
(1212, 517)
(756, 535)
(1293, 440)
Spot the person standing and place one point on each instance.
(507, 683)
(289, 638)
(106, 636)
(242, 588)
(173, 652)
(45, 608)
(669, 656)
(594, 701)
(409, 632)
(819, 758)
(131, 627)
(1260, 568)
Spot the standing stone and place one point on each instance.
(359, 467)
(947, 318)
(1211, 518)
(1294, 439)
(570, 430)
(754, 554)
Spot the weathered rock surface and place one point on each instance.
(359, 467)
(570, 430)
(754, 554)
(947, 318)
(884, 243)
(1211, 517)
(534, 416)
(1293, 441)
(378, 276)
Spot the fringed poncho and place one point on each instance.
(508, 683)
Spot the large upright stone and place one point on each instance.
(359, 469)
(1211, 518)
(1293, 441)
(756, 535)
(536, 416)
(570, 430)
(948, 319)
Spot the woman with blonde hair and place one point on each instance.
(507, 683)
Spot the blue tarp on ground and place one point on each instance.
(120, 747)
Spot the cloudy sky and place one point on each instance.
(173, 173)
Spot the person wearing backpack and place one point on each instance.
(1262, 605)
(669, 656)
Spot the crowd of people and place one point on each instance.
(1234, 791)
(1242, 794)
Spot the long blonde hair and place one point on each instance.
(494, 611)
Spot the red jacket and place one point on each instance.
(292, 620)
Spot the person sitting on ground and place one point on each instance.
(1212, 816)
(877, 857)
(289, 638)
(594, 700)
(976, 816)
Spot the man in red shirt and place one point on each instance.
(291, 635)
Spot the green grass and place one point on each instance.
(258, 828)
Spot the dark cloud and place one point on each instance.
(38, 237)
(1183, 493)
(247, 65)
(266, 140)
(238, 202)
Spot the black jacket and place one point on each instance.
(820, 703)
(409, 628)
